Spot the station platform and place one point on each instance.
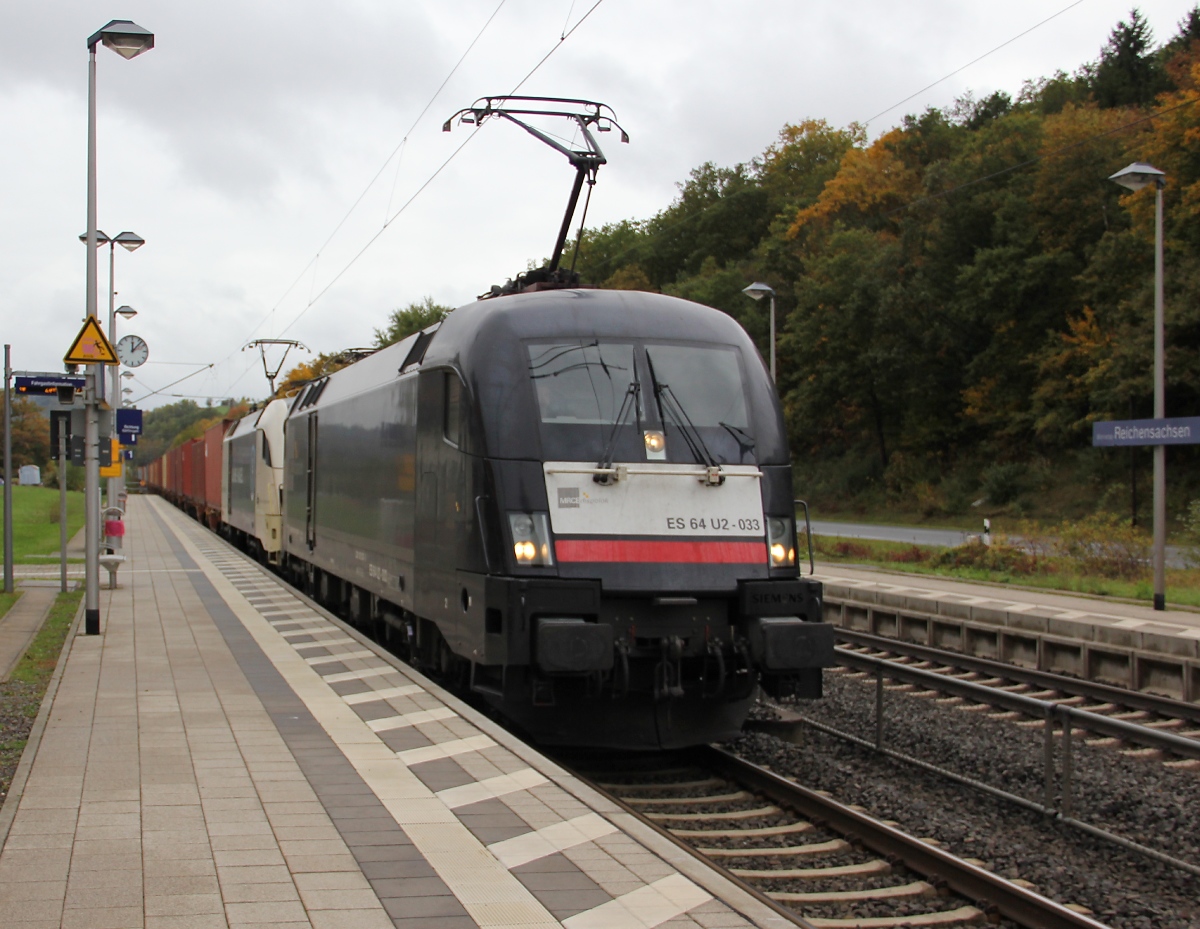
(1110, 641)
(227, 754)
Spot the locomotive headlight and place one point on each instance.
(656, 445)
(781, 541)
(531, 538)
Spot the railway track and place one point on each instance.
(818, 862)
(1066, 710)
(1101, 713)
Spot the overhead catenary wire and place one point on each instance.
(314, 261)
(432, 177)
(173, 383)
(973, 61)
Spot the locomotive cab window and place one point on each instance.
(582, 382)
(452, 409)
(704, 381)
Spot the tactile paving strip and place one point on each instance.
(449, 825)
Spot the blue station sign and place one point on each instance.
(129, 423)
(1178, 431)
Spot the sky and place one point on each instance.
(285, 161)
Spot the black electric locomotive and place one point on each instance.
(577, 503)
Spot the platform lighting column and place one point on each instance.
(8, 517)
(128, 40)
(1135, 177)
(757, 291)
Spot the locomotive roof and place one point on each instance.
(483, 341)
(614, 314)
(485, 333)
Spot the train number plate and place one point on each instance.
(646, 503)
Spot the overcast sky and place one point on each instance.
(237, 145)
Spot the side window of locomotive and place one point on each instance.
(452, 409)
(705, 382)
(581, 381)
(266, 450)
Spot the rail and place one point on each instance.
(974, 883)
(1066, 717)
(1046, 680)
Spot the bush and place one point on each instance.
(840, 548)
(1003, 483)
(1104, 545)
(912, 555)
(1191, 534)
(996, 557)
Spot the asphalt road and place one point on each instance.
(947, 538)
(944, 537)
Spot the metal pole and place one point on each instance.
(1067, 763)
(8, 520)
(773, 338)
(111, 490)
(1048, 759)
(91, 439)
(879, 708)
(62, 503)
(1160, 451)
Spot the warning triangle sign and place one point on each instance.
(90, 346)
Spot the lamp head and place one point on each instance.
(101, 238)
(758, 290)
(127, 311)
(130, 240)
(1139, 175)
(125, 38)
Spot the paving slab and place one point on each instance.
(200, 767)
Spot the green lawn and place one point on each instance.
(35, 521)
(1183, 586)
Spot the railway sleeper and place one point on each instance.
(754, 833)
(962, 916)
(875, 866)
(914, 889)
(813, 848)
(681, 801)
(718, 817)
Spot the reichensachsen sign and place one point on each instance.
(1179, 431)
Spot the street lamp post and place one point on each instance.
(128, 40)
(757, 291)
(1135, 177)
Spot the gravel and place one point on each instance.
(19, 703)
(1138, 798)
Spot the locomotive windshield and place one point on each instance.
(581, 382)
(706, 381)
(584, 390)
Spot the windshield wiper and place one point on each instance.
(669, 406)
(745, 441)
(610, 447)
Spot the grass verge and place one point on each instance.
(1183, 586)
(21, 695)
(35, 522)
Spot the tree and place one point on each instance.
(30, 434)
(1129, 73)
(306, 371)
(412, 318)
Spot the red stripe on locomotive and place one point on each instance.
(664, 552)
